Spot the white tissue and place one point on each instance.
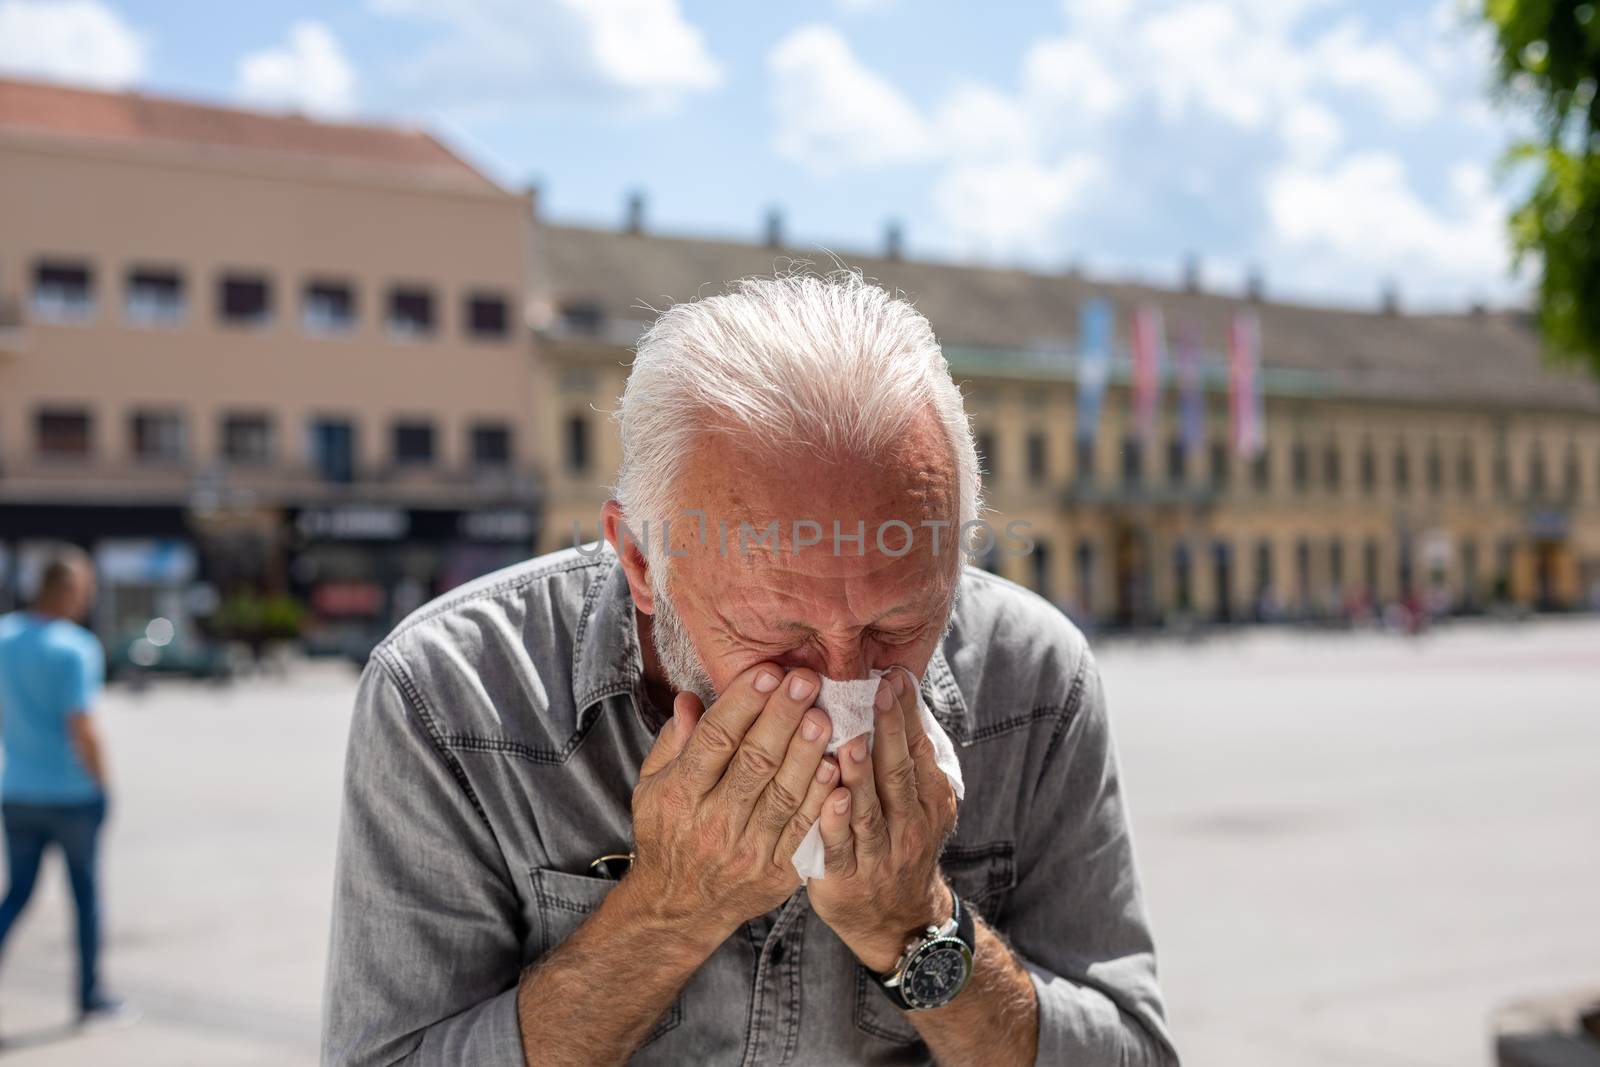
(849, 707)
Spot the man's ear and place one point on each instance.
(634, 564)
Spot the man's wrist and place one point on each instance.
(686, 938)
(881, 950)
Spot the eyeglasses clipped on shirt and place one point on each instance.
(612, 866)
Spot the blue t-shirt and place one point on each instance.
(49, 670)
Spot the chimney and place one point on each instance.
(1255, 285)
(531, 193)
(1389, 298)
(634, 220)
(893, 240)
(774, 227)
(1191, 273)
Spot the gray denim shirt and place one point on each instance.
(495, 745)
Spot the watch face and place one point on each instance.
(937, 974)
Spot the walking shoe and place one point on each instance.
(108, 1013)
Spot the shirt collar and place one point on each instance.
(606, 659)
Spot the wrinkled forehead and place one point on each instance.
(804, 518)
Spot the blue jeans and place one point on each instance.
(30, 829)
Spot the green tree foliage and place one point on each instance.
(1549, 60)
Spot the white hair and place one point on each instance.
(831, 364)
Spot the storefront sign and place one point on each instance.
(354, 523)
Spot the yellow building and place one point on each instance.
(1428, 459)
(259, 350)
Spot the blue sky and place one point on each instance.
(1332, 145)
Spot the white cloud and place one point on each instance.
(1012, 206)
(1362, 218)
(834, 113)
(81, 41)
(1347, 58)
(976, 121)
(309, 72)
(499, 55)
(1067, 73)
(1311, 131)
(1247, 129)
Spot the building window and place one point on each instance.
(1261, 471)
(1574, 473)
(1222, 578)
(157, 436)
(1469, 571)
(1336, 566)
(1369, 569)
(1332, 467)
(248, 439)
(1302, 573)
(245, 299)
(333, 450)
(155, 297)
(1502, 469)
(1083, 566)
(1402, 469)
(486, 317)
(491, 445)
(1177, 461)
(1182, 578)
(1536, 484)
(410, 312)
(1038, 461)
(1220, 465)
(1435, 470)
(1083, 464)
(63, 290)
(1040, 570)
(1300, 467)
(328, 307)
(1263, 572)
(1132, 461)
(1369, 469)
(1466, 470)
(413, 442)
(578, 445)
(63, 433)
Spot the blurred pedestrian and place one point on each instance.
(53, 789)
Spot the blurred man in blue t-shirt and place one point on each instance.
(52, 790)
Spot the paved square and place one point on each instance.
(1355, 846)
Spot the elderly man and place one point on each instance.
(575, 788)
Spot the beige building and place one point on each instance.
(257, 349)
(1424, 459)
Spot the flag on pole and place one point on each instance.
(1094, 362)
(1244, 384)
(1149, 343)
(1191, 391)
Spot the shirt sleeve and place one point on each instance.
(424, 954)
(85, 675)
(1076, 916)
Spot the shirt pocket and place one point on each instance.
(981, 875)
(561, 904)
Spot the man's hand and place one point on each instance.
(724, 799)
(882, 832)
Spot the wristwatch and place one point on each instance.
(934, 967)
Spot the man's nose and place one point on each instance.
(844, 661)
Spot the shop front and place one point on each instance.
(361, 568)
